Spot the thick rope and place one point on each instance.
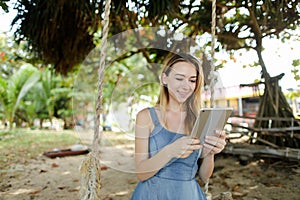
(100, 76)
(90, 168)
(213, 33)
(212, 74)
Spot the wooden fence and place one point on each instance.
(247, 141)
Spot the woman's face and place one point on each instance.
(181, 81)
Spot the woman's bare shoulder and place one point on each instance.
(143, 117)
(143, 123)
(145, 113)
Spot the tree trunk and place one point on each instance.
(273, 103)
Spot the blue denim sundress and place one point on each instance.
(176, 180)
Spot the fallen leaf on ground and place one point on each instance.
(274, 185)
(104, 167)
(61, 187)
(54, 165)
(35, 192)
(236, 187)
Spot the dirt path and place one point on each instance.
(47, 179)
(59, 178)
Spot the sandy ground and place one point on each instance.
(48, 179)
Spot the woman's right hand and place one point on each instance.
(183, 147)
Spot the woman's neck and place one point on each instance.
(175, 107)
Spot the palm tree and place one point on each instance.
(15, 88)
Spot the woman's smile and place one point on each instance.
(184, 95)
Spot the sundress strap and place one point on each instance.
(154, 117)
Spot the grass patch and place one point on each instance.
(19, 146)
(116, 138)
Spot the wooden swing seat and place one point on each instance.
(65, 152)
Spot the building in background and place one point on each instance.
(244, 100)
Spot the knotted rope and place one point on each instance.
(212, 74)
(90, 168)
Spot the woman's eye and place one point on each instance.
(179, 79)
(193, 81)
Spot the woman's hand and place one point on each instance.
(214, 144)
(183, 147)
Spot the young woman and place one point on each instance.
(165, 153)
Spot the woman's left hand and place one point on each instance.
(214, 144)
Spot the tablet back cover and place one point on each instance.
(210, 119)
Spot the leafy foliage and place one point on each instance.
(15, 88)
(61, 33)
(57, 32)
(295, 71)
(243, 24)
(3, 5)
(43, 101)
(10, 60)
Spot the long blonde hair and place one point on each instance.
(193, 103)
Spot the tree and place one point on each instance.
(41, 100)
(240, 24)
(15, 88)
(121, 78)
(250, 23)
(44, 99)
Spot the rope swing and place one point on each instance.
(212, 70)
(90, 168)
(211, 75)
(212, 78)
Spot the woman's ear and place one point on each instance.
(164, 79)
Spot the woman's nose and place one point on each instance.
(186, 84)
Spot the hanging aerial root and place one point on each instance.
(90, 170)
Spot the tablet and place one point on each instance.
(209, 120)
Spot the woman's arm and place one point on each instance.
(207, 167)
(147, 167)
(214, 144)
